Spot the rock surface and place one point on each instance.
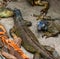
(55, 5)
(27, 12)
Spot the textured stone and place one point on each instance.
(55, 5)
(27, 12)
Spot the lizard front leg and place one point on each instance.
(16, 39)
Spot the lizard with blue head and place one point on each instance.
(29, 41)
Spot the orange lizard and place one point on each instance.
(10, 43)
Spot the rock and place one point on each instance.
(55, 5)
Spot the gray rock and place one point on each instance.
(55, 5)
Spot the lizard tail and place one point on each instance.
(36, 56)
